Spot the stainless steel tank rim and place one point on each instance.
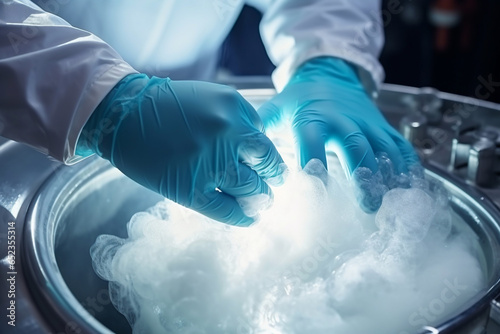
(443, 95)
(44, 269)
(69, 313)
(474, 197)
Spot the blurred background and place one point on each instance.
(451, 45)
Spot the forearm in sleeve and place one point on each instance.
(52, 77)
(295, 31)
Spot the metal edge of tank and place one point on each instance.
(69, 312)
(483, 209)
(46, 283)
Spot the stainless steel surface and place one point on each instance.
(481, 164)
(73, 208)
(78, 204)
(429, 104)
(22, 171)
(474, 147)
(59, 292)
(494, 321)
(414, 129)
(460, 152)
(447, 145)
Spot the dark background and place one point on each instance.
(461, 57)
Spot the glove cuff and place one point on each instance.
(320, 68)
(103, 121)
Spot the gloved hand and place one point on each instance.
(196, 143)
(326, 102)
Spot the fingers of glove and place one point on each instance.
(253, 205)
(221, 207)
(272, 112)
(258, 152)
(353, 148)
(370, 189)
(251, 113)
(242, 181)
(356, 152)
(381, 141)
(407, 151)
(310, 138)
(361, 164)
(250, 191)
(393, 159)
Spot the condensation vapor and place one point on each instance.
(315, 262)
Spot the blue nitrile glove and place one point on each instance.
(196, 143)
(327, 103)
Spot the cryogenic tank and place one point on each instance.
(76, 204)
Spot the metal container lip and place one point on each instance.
(45, 280)
(57, 301)
(469, 199)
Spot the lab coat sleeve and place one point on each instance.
(52, 77)
(295, 31)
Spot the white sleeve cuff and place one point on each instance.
(370, 71)
(95, 94)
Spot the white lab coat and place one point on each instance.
(54, 70)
